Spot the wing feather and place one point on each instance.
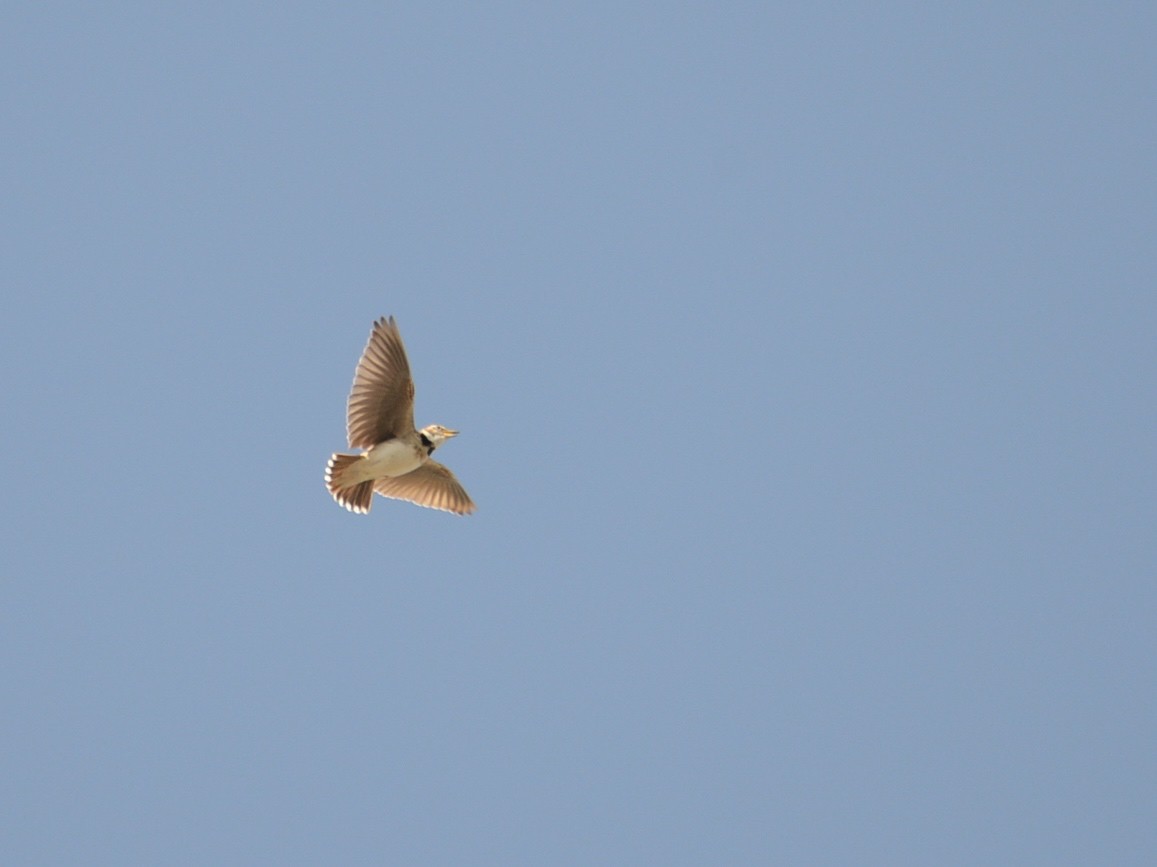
(431, 485)
(381, 402)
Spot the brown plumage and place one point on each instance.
(380, 420)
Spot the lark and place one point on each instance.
(395, 459)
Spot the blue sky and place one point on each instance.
(804, 361)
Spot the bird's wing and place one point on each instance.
(381, 404)
(431, 485)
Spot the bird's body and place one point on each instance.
(392, 458)
(396, 458)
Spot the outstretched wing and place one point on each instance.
(381, 403)
(431, 485)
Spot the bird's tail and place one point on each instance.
(356, 497)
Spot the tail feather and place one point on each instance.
(357, 497)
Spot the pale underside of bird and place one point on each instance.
(395, 460)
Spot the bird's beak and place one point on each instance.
(451, 433)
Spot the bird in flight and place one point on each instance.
(395, 459)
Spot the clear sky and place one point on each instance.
(804, 358)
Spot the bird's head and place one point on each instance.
(437, 434)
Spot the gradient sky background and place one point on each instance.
(804, 356)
